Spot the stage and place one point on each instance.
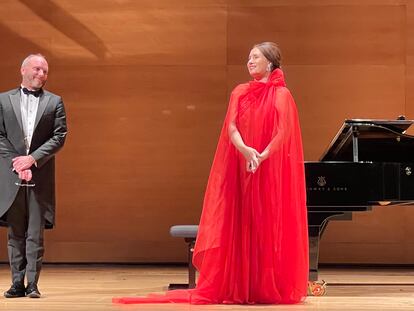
(91, 287)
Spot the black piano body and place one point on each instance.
(368, 163)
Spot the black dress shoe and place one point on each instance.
(15, 291)
(32, 291)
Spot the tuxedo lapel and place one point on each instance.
(15, 101)
(43, 101)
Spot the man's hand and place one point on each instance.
(23, 163)
(25, 175)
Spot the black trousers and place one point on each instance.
(26, 224)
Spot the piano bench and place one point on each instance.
(189, 233)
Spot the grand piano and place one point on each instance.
(368, 163)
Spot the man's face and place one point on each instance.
(34, 73)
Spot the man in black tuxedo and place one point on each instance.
(32, 129)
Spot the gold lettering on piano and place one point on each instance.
(328, 189)
(322, 182)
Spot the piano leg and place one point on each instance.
(317, 223)
(315, 288)
(313, 252)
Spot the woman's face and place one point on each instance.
(257, 64)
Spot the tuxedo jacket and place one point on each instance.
(48, 138)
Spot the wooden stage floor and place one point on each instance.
(91, 287)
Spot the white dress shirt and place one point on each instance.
(28, 107)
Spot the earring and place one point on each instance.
(269, 67)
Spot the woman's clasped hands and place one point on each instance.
(253, 158)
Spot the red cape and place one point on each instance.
(252, 243)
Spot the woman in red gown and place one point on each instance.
(252, 243)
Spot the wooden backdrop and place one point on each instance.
(146, 85)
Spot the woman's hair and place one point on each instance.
(271, 51)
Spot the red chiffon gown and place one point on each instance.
(252, 243)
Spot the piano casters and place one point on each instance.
(316, 288)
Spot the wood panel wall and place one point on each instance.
(146, 85)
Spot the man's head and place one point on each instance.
(34, 71)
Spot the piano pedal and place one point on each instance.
(316, 288)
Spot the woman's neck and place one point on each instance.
(264, 78)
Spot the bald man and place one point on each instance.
(32, 130)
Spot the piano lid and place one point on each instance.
(377, 141)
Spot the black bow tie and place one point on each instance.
(36, 93)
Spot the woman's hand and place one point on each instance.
(256, 160)
(251, 166)
(252, 158)
(263, 156)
